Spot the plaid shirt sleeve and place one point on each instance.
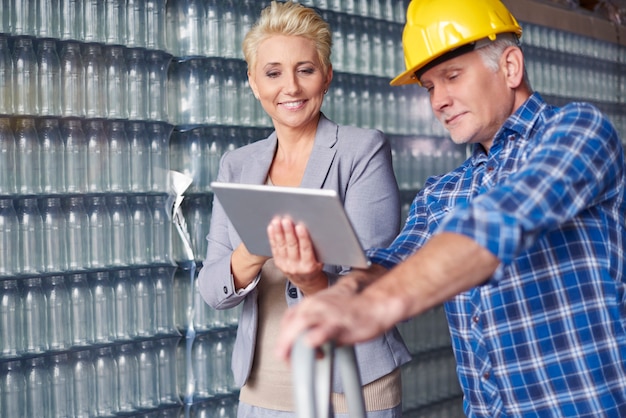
(574, 164)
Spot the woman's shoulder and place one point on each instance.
(366, 137)
(245, 151)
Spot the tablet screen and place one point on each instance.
(251, 207)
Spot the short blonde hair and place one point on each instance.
(289, 19)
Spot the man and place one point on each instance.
(523, 242)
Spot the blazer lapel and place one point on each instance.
(255, 172)
(322, 155)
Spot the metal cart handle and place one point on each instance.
(312, 380)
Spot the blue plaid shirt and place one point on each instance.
(545, 335)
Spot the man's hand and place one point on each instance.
(338, 314)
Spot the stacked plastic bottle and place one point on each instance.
(99, 309)
(87, 278)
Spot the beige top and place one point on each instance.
(269, 385)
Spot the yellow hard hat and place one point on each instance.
(437, 27)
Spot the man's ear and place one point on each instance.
(513, 64)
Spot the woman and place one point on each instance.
(289, 70)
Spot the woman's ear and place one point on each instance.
(329, 76)
(252, 84)
(513, 65)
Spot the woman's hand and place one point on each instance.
(295, 256)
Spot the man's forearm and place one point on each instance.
(445, 266)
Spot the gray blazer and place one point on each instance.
(357, 164)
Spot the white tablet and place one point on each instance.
(251, 207)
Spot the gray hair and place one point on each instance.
(491, 52)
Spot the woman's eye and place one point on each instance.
(272, 74)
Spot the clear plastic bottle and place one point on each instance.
(187, 147)
(61, 386)
(99, 231)
(77, 233)
(120, 230)
(157, 64)
(48, 18)
(35, 324)
(378, 103)
(115, 22)
(104, 306)
(205, 317)
(81, 310)
(119, 156)
(148, 379)
(164, 299)
(213, 88)
(141, 229)
(155, 24)
(228, 29)
(49, 74)
(197, 211)
(389, 47)
(161, 229)
(93, 21)
(247, 13)
(57, 312)
(95, 81)
(54, 236)
(139, 157)
(6, 25)
(84, 384)
(52, 156)
(72, 80)
(213, 153)
(7, 158)
(71, 19)
(13, 389)
(137, 84)
(27, 156)
(205, 377)
(25, 77)
(159, 135)
(6, 76)
(37, 379)
(97, 157)
(184, 19)
(124, 305)
(75, 156)
(166, 354)
(11, 341)
(190, 76)
(30, 236)
(136, 23)
(117, 82)
(144, 297)
(106, 382)
(220, 357)
(126, 359)
(9, 234)
(230, 94)
(211, 28)
(366, 118)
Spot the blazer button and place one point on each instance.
(225, 290)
